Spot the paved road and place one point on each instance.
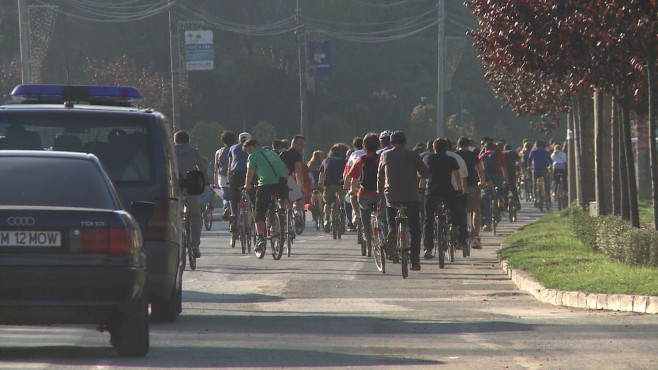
(326, 306)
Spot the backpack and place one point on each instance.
(369, 173)
(490, 163)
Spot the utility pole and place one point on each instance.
(301, 60)
(441, 70)
(174, 61)
(24, 30)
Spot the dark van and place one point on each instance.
(136, 149)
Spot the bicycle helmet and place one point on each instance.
(385, 134)
(244, 136)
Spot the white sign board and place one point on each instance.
(199, 52)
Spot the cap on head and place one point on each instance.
(244, 136)
(386, 134)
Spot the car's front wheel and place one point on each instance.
(129, 334)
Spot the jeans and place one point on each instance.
(457, 214)
(194, 215)
(413, 220)
(367, 206)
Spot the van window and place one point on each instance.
(122, 142)
(54, 182)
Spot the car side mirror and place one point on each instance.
(142, 212)
(194, 183)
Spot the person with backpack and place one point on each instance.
(495, 173)
(331, 177)
(221, 171)
(363, 175)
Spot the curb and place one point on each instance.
(587, 301)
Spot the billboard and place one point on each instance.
(199, 53)
(319, 58)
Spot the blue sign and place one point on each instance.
(319, 58)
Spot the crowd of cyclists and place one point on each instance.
(381, 173)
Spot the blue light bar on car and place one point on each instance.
(59, 94)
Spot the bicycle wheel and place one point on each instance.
(494, 211)
(277, 237)
(439, 247)
(190, 252)
(451, 247)
(207, 217)
(290, 231)
(402, 248)
(341, 221)
(243, 232)
(334, 220)
(377, 240)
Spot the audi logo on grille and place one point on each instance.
(20, 221)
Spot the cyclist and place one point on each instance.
(357, 144)
(512, 161)
(189, 159)
(474, 183)
(292, 158)
(559, 159)
(270, 169)
(363, 182)
(237, 165)
(539, 161)
(495, 173)
(396, 167)
(331, 174)
(221, 170)
(384, 141)
(444, 171)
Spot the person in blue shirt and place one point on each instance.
(237, 173)
(539, 162)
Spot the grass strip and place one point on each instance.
(549, 250)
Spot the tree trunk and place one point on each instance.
(652, 134)
(577, 150)
(614, 156)
(623, 173)
(587, 175)
(571, 175)
(630, 162)
(600, 154)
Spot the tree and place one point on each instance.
(264, 132)
(10, 76)
(206, 137)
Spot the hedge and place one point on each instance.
(616, 238)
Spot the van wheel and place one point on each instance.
(129, 334)
(166, 310)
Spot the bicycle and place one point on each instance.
(187, 240)
(539, 193)
(402, 228)
(206, 213)
(289, 228)
(559, 192)
(245, 222)
(494, 210)
(318, 206)
(442, 241)
(511, 206)
(361, 240)
(378, 237)
(337, 218)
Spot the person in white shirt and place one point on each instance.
(559, 168)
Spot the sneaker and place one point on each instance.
(486, 228)
(356, 221)
(260, 244)
(327, 227)
(196, 252)
(477, 244)
(428, 254)
(415, 267)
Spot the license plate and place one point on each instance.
(30, 238)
